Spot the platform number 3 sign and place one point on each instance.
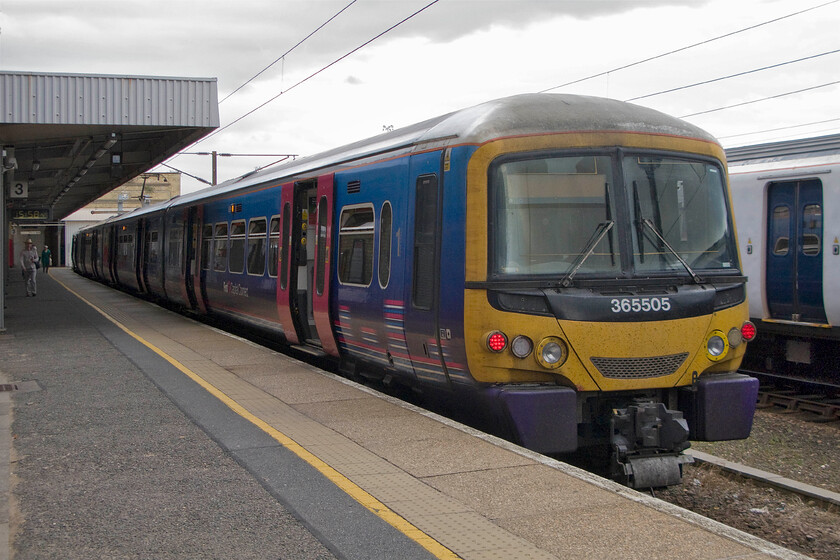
(19, 189)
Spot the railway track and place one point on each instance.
(792, 394)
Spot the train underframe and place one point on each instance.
(640, 436)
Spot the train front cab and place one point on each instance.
(604, 302)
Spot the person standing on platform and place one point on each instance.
(28, 262)
(46, 259)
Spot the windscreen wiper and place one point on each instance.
(596, 238)
(651, 227)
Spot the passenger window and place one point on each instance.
(220, 243)
(256, 247)
(812, 224)
(273, 246)
(323, 210)
(154, 253)
(425, 228)
(355, 245)
(385, 219)
(781, 230)
(811, 244)
(236, 259)
(206, 246)
(174, 250)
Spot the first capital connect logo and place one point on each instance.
(234, 289)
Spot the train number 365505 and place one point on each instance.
(640, 305)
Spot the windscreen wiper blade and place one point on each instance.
(596, 238)
(651, 227)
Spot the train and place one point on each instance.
(564, 268)
(784, 196)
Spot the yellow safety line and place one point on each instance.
(356, 492)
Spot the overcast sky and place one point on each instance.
(454, 54)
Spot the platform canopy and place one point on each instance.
(70, 138)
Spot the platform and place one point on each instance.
(138, 432)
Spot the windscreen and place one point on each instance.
(575, 215)
(678, 207)
(553, 214)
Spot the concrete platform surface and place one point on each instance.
(141, 433)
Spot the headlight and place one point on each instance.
(734, 337)
(717, 346)
(552, 352)
(521, 346)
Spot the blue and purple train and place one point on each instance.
(564, 266)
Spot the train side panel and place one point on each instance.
(452, 269)
(237, 275)
(369, 300)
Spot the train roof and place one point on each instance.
(816, 150)
(519, 115)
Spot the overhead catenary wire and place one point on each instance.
(759, 100)
(739, 74)
(778, 129)
(282, 56)
(681, 49)
(324, 68)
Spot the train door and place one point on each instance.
(285, 301)
(96, 255)
(319, 286)
(423, 278)
(195, 259)
(302, 265)
(795, 251)
(295, 305)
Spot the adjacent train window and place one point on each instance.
(236, 257)
(355, 245)
(285, 239)
(323, 211)
(385, 220)
(811, 222)
(220, 246)
(273, 246)
(425, 228)
(256, 246)
(206, 246)
(780, 227)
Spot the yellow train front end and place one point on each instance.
(605, 308)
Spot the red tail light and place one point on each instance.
(748, 331)
(496, 341)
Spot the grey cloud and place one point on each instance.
(233, 41)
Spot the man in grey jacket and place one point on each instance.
(28, 258)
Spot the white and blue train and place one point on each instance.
(786, 199)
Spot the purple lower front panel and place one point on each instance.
(720, 407)
(543, 419)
